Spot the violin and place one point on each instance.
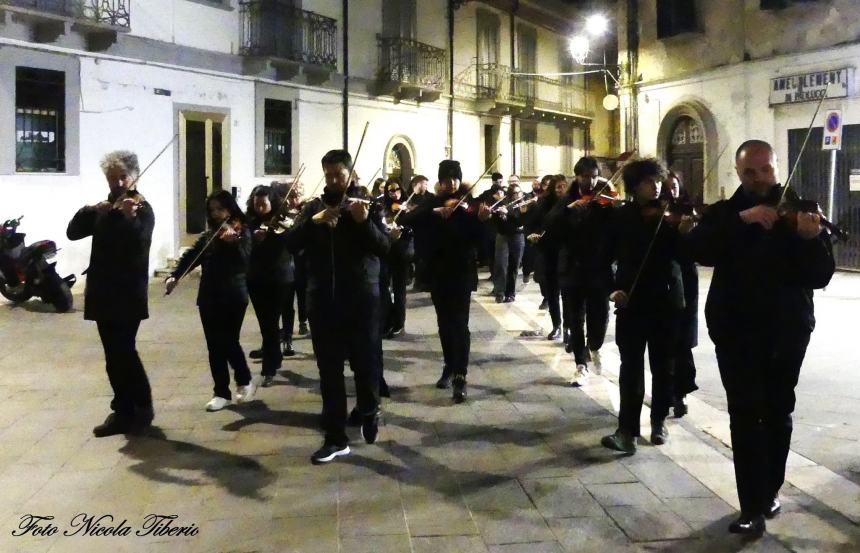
(789, 205)
(233, 224)
(603, 198)
(130, 194)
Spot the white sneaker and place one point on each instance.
(217, 403)
(244, 394)
(580, 378)
(595, 360)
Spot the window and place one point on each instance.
(277, 139)
(675, 17)
(491, 139)
(40, 120)
(399, 18)
(488, 51)
(528, 149)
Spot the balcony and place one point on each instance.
(288, 38)
(500, 92)
(98, 20)
(410, 70)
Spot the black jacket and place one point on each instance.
(509, 224)
(451, 255)
(271, 262)
(118, 274)
(343, 259)
(763, 280)
(403, 249)
(659, 287)
(583, 235)
(225, 268)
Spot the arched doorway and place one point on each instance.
(399, 162)
(685, 156)
(688, 140)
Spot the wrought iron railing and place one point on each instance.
(274, 28)
(108, 12)
(499, 83)
(408, 61)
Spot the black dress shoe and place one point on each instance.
(680, 408)
(500, 298)
(444, 382)
(256, 354)
(566, 336)
(554, 334)
(459, 395)
(303, 329)
(370, 427)
(288, 350)
(753, 526)
(510, 299)
(526, 279)
(774, 509)
(543, 305)
(659, 433)
(114, 424)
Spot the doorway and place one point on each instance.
(685, 155)
(400, 164)
(202, 144)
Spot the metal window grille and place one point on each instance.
(39, 120)
(277, 138)
(109, 12)
(275, 28)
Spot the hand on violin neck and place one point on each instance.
(764, 215)
(229, 235)
(808, 225)
(103, 207)
(327, 216)
(484, 212)
(128, 207)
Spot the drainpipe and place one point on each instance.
(345, 100)
(449, 146)
(514, 9)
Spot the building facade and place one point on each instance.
(242, 92)
(700, 77)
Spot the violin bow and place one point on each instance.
(396, 215)
(802, 148)
(196, 257)
(474, 184)
(151, 163)
(357, 153)
(274, 219)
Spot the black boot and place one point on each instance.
(459, 394)
(444, 381)
(303, 329)
(256, 353)
(554, 334)
(679, 408)
(114, 424)
(288, 350)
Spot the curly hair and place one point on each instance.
(122, 159)
(637, 171)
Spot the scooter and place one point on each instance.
(27, 271)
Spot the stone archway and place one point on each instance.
(399, 160)
(689, 143)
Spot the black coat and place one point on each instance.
(225, 268)
(451, 255)
(343, 259)
(510, 224)
(763, 280)
(535, 222)
(118, 274)
(659, 287)
(403, 249)
(583, 235)
(271, 262)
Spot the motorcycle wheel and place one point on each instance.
(59, 294)
(15, 294)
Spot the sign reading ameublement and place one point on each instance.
(810, 87)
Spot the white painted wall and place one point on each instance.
(187, 23)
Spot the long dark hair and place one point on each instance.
(228, 202)
(262, 190)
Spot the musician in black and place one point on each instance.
(454, 232)
(584, 271)
(420, 193)
(510, 243)
(223, 252)
(270, 274)
(343, 241)
(397, 263)
(687, 335)
(547, 241)
(760, 317)
(529, 251)
(649, 295)
(116, 295)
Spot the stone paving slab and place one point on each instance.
(516, 469)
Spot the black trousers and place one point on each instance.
(452, 317)
(685, 372)
(393, 289)
(222, 324)
(300, 287)
(288, 312)
(529, 253)
(588, 307)
(759, 377)
(125, 371)
(269, 300)
(346, 329)
(633, 331)
(509, 253)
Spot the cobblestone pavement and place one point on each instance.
(518, 468)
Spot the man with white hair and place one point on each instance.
(116, 292)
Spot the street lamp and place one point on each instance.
(597, 24)
(578, 46)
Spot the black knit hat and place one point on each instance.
(450, 169)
